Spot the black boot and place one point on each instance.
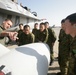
(51, 62)
(59, 73)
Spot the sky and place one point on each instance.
(52, 10)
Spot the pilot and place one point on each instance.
(7, 23)
(63, 54)
(51, 40)
(20, 29)
(70, 28)
(26, 37)
(19, 32)
(42, 35)
(35, 30)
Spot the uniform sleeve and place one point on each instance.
(59, 35)
(0, 33)
(46, 36)
(32, 38)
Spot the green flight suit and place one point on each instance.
(63, 56)
(26, 39)
(42, 36)
(47, 36)
(72, 60)
(2, 39)
(19, 35)
(35, 32)
(50, 42)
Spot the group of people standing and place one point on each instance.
(67, 46)
(44, 33)
(40, 33)
(6, 24)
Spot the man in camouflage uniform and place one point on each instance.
(35, 30)
(26, 37)
(72, 60)
(51, 41)
(7, 23)
(19, 32)
(70, 28)
(20, 29)
(63, 56)
(42, 35)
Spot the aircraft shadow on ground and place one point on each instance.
(56, 59)
(33, 52)
(51, 74)
(53, 68)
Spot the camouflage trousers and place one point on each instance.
(63, 63)
(51, 54)
(72, 65)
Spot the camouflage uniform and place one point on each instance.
(2, 39)
(63, 56)
(72, 60)
(50, 42)
(26, 39)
